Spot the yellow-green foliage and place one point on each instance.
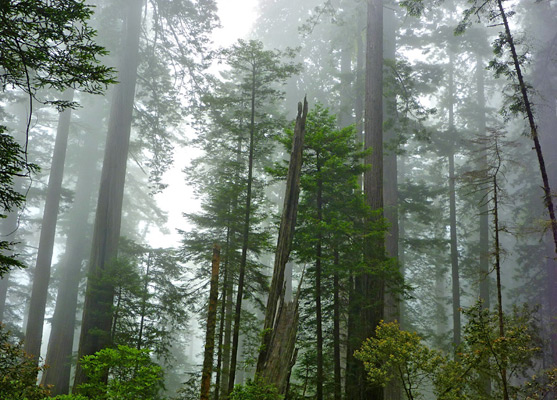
(394, 354)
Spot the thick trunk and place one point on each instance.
(277, 349)
(97, 317)
(390, 189)
(211, 323)
(41, 276)
(60, 344)
(373, 287)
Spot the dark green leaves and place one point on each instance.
(48, 44)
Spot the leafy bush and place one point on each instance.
(18, 371)
(484, 356)
(255, 390)
(132, 375)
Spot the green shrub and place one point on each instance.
(255, 390)
(18, 371)
(132, 375)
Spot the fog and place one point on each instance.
(266, 199)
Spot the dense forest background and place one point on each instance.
(164, 235)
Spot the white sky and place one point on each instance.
(236, 19)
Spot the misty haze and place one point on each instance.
(277, 199)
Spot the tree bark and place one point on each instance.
(41, 276)
(318, 275)
(483, 205)
(245, 239)
(452, 210)
(373, 286)
(96, 322)
(61, 339)
(336, 331)
(9, 227)
(222, 321)
(390, 188)
(211, 323)
(279, 335)
(502, 369)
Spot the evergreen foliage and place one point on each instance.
(18, 371)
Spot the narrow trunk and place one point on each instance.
(41, 276)
(144, 303)
(502, 370)
(4, 285)
(483, 205)
(352, 336)
(452, 211)
(359, 95)
(61, 339)
(245, 240)
(318, 273)
(336, 330)
(222, 320)
(227, 341)
(97, 316)
(211, 323)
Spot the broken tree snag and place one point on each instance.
(281, 355)
(211, 322)
(281, 318)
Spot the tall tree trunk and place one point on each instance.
(211, 323)
(352, 337)
(373, 286)
(502, 369)
(4, 285)
(281, 318)
(96, 322)
(318, 275)
(227, 341)
(452, 210)
(41, 276)
(222, 321)
(61, 339)
(336, 330)
(483, 205)
(390, 187)
(8, 229)
(144, 303)
(245, 240)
